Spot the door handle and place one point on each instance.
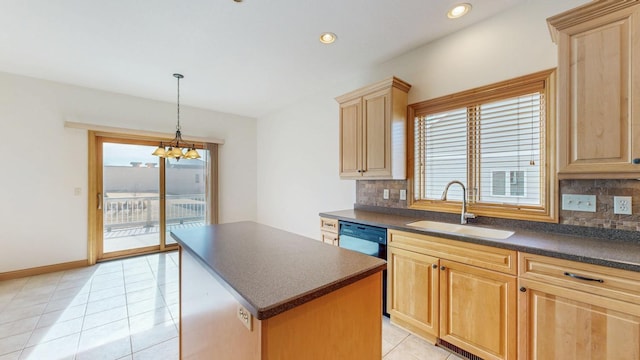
(99, 201)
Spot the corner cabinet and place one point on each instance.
(570, 310)
(454, 293)
(373, 131)
(598, 89)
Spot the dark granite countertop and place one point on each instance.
(599, 250)
(270, 271)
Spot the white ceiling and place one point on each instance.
(249, 58)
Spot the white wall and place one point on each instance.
(298, 166)
(42, 221)
(298, 147)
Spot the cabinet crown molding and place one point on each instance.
(384, 84)
(586, 12)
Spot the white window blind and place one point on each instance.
(494, 148)
(509, 142)
(441, 146)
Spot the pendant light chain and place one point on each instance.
(178, 77)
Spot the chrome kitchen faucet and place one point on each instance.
(464, 214)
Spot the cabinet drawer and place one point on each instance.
(329, 238)
(614, 283)
(330, 225)
(486, 257)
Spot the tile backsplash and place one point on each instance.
(369, 192)
(604, 190)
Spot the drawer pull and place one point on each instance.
(582, 277)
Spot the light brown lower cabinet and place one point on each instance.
(329, 231)
(499, 304)
(561, 323)
(570, 310)
(465, 305)
(329, 238)
(478, 310)
(413, 291)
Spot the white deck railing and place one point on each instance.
(144, 211)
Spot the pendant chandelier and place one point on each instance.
(174, 148)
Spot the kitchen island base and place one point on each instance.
(343, 324)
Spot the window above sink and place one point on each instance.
(497, 140)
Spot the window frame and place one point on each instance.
(543, 82)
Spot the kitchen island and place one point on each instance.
(250, 291)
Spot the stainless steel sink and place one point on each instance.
(464, 230)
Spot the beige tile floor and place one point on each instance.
(124, 309)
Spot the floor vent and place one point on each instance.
(456, 350)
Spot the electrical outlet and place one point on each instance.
(622, 205)
(385, 194)
(77, 191)
(403, 194)
(245, 317)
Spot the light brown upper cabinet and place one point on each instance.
(598, 89)
(373, 131)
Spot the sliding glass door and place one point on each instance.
(130, 198)
(140, 198)
(186, 193)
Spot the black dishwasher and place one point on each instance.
(369, 240)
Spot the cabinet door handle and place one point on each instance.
(636, 161)
(442, 268)
(575, 276)
(435, 266)
(523, 289)
(99, 201)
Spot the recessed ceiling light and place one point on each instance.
(458, 11)
(328, 37)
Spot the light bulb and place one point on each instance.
(458, 11)
(327, 38)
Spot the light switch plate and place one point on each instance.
(385, 194)
(622, 205)
(574, 202)
(403, 194)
